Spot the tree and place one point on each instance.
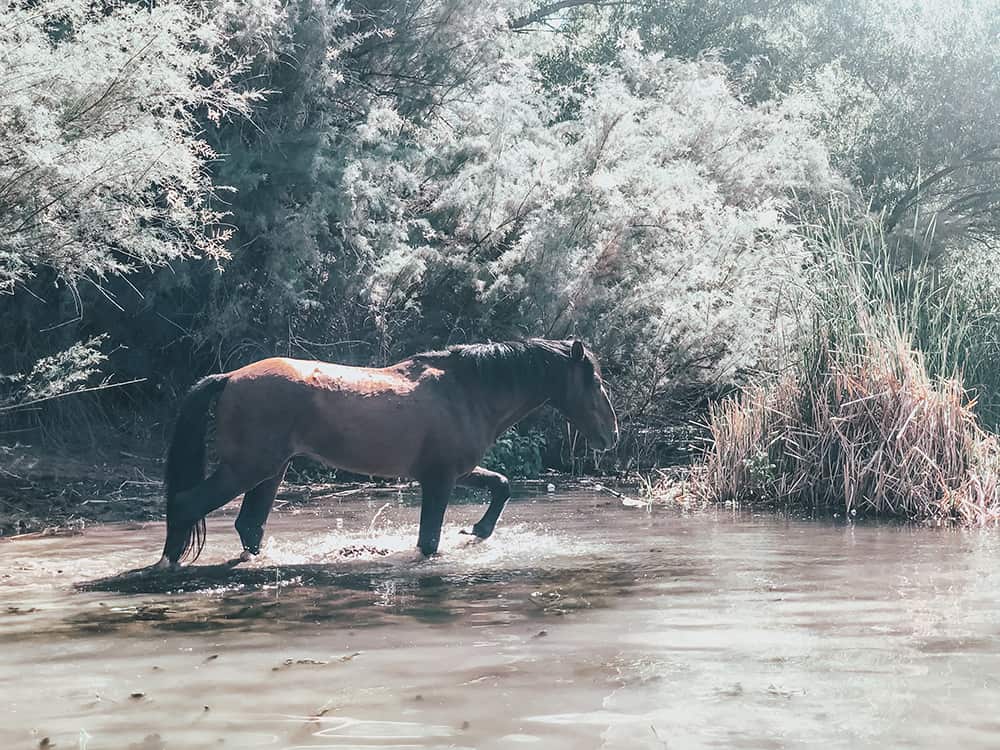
(910, 108)
(103, 168)
(655, 221)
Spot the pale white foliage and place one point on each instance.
(656, 217)
(55, 375)
(379, 183)
(102, 166)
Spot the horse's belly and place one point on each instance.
(376, 459)
(365, 438)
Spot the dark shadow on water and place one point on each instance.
(211, 597)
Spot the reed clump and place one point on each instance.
(864, 422)
(874, 436)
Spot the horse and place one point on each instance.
(429, 418)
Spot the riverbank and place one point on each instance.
(44, 493)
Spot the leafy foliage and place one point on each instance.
(911, 114)
(103, 169)
(655, 222)
(516, 454)
(56, 375)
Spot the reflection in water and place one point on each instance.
(580, 625)
(326, 593)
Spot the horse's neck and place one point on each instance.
(510, 408)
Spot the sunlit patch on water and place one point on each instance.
(361, 729)
(326, 568)
(516, 545)
(337, 546)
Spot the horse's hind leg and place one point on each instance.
(193, 505)
(499, 487)
(255, 510)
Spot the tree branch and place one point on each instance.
(540, 14)
(906, 200)
(92, 389)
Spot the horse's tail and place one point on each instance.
(186, 468)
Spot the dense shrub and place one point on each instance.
(517, 454)
(104, 169)
(864, 423)
(655, 223)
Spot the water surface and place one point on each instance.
(580, 624)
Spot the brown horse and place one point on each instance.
(431, 418)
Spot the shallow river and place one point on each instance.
(580, 624)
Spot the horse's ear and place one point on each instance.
(576, 352)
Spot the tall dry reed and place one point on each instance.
(864, 422)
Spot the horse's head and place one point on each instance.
(582, 399)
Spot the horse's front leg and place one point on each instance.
(436, 493)
(257, 504)
(499, 487)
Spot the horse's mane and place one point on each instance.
(523, 363)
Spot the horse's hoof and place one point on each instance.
(245, 556)
(477, 532)
(164, 563)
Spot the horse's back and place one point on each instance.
(368, 420)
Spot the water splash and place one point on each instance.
(378, 513)
(517, 544)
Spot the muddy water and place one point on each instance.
(581, 624)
